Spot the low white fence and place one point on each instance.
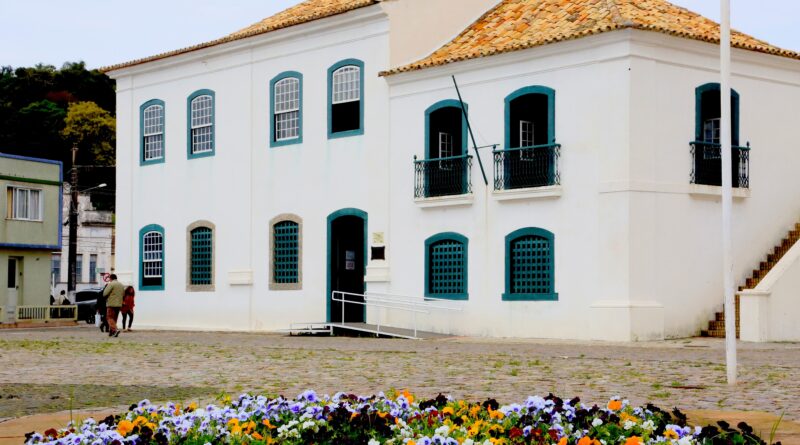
(47, 313)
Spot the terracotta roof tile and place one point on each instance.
(519, 24)
(306, 11)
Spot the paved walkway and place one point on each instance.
(39, 364)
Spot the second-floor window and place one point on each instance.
(201, 123)
(346, 91)
(287, 101)
(152, 121)
(24, 203)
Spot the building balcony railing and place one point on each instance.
(707, 164)
(442, 176)
(525, 167)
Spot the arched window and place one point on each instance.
(531, 153)
(200, 256)
(151, 257)
(201, 124)
(151, 121)
(446, 266)
(285, 248)
(346, 98)
(706, 148)
(287, 102)
(530, 265)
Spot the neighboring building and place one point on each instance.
(30, 230)
(324, 149)
(95, 242)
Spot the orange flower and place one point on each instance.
(408, 396)
(562, 441)
(353, 416)
(268, 425)
(496, 414)
(586, 440)
(411, 442)
(124, 428)
(257, 436)
(382, 414)
(614, 405)
(634, 440)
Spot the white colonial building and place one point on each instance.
(326, 149)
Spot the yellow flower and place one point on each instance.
(124, 428)
(670, 434)
(496, 414)
(141, 420)
(192, 406)
(382, 414)
(626, 416)
(448, 411)
(473, 412)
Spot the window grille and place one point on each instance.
(79, 268)
(24, 204)
(347, 84)
(202, 128)
(201, 257)
(153, 132)
(93, 268)
(55, 267)
(153, 249)
(285, 252)
(287, 108)
(446, 268)
(531, 265)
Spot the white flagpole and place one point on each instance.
(727, 199)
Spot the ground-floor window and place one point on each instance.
(285, 248)
(446, 266)
(530, 265)
(151, 264)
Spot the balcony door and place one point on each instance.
(445, 174)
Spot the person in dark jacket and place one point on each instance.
(100, 306)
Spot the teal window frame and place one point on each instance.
(551, 111)
(144, 230)
(552, 295)
(273, 142)
(205, 154)
(144, 106)
(334, 67)
(429, 244)
(201, 256)
(444, 104)
(698, 111)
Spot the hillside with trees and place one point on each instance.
(45, 110)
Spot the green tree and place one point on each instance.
(93, 129)
(39, 125)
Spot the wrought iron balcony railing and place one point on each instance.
(535, 166)
(707, 164)
(442, 176)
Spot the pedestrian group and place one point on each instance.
(116, 299)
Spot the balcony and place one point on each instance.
(707, 164)
(526, 167)
(442, 176)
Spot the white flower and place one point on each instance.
(629, 424)
(685, 440)
(443, 430)
(468, 442)
(648, 425)
(597, 422)
(373, 442)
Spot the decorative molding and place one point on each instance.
(445, 201)
(550, 191)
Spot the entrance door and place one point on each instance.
(13, 288)
(346, 263)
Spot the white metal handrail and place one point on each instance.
(47, 313)
(405, 303)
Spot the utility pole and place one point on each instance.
(73, 228)
(727, 182)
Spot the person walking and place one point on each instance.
(115, 292)
(127, 308)
(102, 311)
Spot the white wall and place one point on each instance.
(246, 183)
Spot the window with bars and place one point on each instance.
(345, 96)
(151, 265)
(201, 124)
(201, 270)
(530, 265)
(286, 108)
(446, 266)
(152, 121)
(286, 253)
(24, 203)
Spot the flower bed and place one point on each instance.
(394, 419)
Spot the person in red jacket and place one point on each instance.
(127, 308)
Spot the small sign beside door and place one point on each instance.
(349, 257)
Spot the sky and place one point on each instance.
(106, 32)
